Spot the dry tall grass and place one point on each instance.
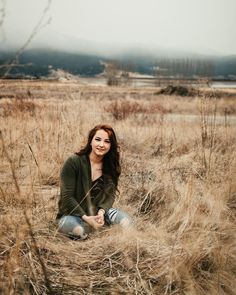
(178, 183)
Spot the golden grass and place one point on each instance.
(178, 183)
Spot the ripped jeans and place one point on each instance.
(68, 223)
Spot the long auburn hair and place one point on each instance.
(111, 160)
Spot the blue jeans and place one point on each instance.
(66, 224)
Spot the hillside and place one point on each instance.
(38, 62)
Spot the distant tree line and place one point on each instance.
(184, 68)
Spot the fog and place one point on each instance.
(203, 26)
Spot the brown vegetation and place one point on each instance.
(178, 183)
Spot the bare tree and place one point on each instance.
(2, 19)
(43, 21)
(112, 73)
(2, 12)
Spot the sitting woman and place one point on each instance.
(89, 182)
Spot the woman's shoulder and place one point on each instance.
(78, 160)
(75, 162)
(74, 159)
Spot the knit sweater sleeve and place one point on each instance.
(69, 204)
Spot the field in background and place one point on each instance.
(178, 182)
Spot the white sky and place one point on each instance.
(204, 26)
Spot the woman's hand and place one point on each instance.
(93, 221)
(100, 216)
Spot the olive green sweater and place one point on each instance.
(76, 185)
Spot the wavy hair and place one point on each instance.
(111, 160)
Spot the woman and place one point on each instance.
(89, 182)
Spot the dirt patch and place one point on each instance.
(178, 90)
(190, 91)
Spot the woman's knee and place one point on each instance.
(71, 226)
(117, 216)
(78, 230)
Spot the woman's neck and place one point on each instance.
(95, 159)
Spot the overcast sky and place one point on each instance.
(204, 26)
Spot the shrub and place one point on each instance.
(18, 105)
(122, 109)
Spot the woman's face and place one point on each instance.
(100, 143)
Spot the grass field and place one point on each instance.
(178, 182)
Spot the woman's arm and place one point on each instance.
(68, 203)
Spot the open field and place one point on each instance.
(178, 182)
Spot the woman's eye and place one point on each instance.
(97, 139)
